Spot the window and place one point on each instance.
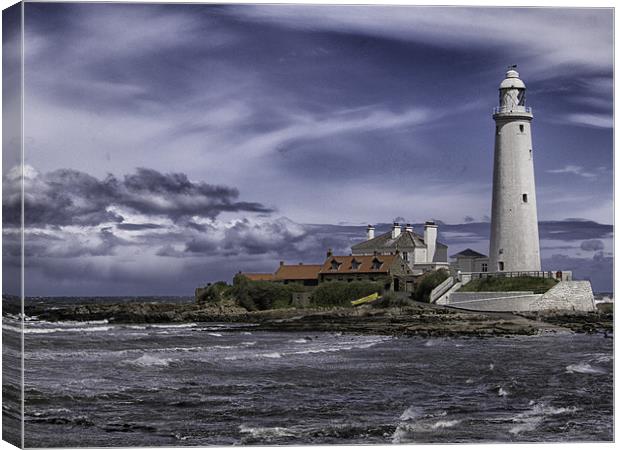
(530, 153)
(376, 264)
(355, 264)
(405, 256)
(521, 127)
(500, 266)
(524, 198)
(485, 267)
(335, 265)
(501, 250)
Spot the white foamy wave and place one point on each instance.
(73, 323)
(585, 368)
(271, 355)
(402, 434)
(502, 392)
(266, 432)
(445, 424)
(174, 325)
(215, 334)
(149, 361)
(411, 413)
(299, 341)
(65, 330)
(530, 419)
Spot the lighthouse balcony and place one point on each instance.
(512, 110)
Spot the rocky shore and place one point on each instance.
(419, 319)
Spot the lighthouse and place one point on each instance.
(514, 222)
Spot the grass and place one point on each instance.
(504, 284)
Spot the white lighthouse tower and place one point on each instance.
(514, 222)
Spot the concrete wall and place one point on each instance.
(457, 297)
(564, 296)
(509, 304)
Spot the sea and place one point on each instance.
(98, 384)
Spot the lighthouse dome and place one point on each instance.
(512, 80)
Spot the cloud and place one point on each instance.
(574, 170)
(592, 245)
(592, 120)
(70, 197)
(546, 39)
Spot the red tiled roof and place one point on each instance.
(298, 272)
(365, 264)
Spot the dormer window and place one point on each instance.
(355, 264)
(376, 264)
(335, 265)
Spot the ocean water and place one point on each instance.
(99, 384)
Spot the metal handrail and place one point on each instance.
(506, 109)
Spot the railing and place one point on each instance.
(516, 109)
(535, 274)
(441, 289)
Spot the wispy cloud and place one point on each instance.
(547, 37)
(575, 170)
(591, 120)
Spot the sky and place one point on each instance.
(167, 146)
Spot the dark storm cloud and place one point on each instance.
(592, 245)
(597, 269)
(70, 197)
(137, 226)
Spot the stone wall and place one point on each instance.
(568, 295)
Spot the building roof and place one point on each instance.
(298, 272)
(385, 241)
(363, 264)
(468, 253)
(258, 276)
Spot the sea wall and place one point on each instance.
(564, 296)
(457, 297)
(568, 295)
(525, 302)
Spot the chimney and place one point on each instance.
(430, 239)
(409, 228)
(395, 230)
(330, 253)
(370, 232)
(281, 263)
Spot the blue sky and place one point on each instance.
(171, 145)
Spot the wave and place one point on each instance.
(530, 419)
(266, 432)
(28, 330)
(149, 361)
(445, 424)
(411, 413)
(585, 368)
(173, 325)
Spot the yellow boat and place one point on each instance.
(367, 299)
